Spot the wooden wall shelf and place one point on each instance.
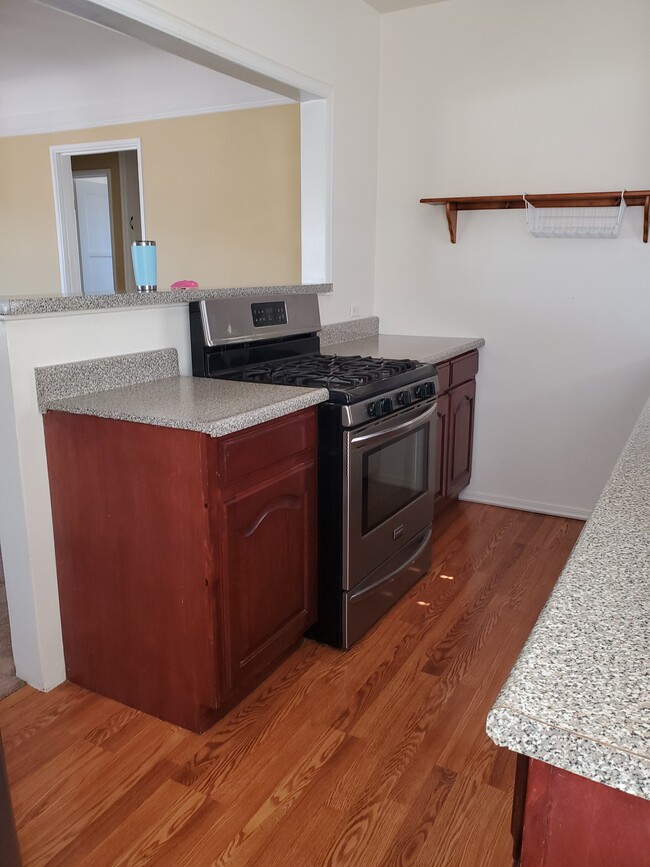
(633, 198)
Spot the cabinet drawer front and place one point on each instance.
(464, 368)
(444, 376)
(264, 446)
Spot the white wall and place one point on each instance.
(336, 43)
(508, 97)
(25, 511)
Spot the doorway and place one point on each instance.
(106, 225)
(99, 213)
(95, 218)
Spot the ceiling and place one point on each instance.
(397, 5)
(61, 72)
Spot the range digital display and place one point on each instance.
(267, 313)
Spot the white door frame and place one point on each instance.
(64, 207)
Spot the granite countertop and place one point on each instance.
(150, 391)
(433, 350)
(47, 304)
(579, 694)
(213, 406)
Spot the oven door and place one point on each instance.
(388, 488)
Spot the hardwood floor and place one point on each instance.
(376, 756)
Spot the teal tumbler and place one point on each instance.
(143, 255)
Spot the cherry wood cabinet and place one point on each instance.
(186, 565)
(442, 448)
(267, 539)
(461, 430)
(563, 820)
(455, 432)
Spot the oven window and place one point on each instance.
(393, 476)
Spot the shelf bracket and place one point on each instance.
(452, 219)
(646, 209)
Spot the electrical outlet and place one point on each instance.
(355, 310)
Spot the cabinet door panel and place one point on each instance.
(461, 429)
(270, 570)
(464, 368)
(442, 448)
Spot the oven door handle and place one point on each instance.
(405, 426)
(355, 596)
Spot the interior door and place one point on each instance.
(92, 201)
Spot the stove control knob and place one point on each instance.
(375, 409)
(425, 389)
(404, 398)
(387, 405)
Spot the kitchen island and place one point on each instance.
(53, 331)
(129, 449)
(184, 515)
(578, 698)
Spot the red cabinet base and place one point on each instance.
(570, 821)
(455, 427)
(186, 565)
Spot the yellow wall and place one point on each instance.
(221, 193)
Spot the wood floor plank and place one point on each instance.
(137, 841)
(419, 824)
(52, 817)
(38, 739)
(242, 848)
(468, 828)
(112, 817)
(375, 757)
(391, 742)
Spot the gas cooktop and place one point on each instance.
(276, 341)
(348, 378)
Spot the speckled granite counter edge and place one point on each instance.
(219, 428)
(444, 355)
(59, 381)
(48, 304)
(599, 759)
(352, 347)
(562, 748)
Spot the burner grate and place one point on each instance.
(329, 371)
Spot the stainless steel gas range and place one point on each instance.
(377, 435)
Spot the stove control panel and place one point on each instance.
(400, 399)
(267, 313)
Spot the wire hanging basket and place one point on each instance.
(587, 222)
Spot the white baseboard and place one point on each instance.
(525, 505)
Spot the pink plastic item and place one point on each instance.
(184, 284)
